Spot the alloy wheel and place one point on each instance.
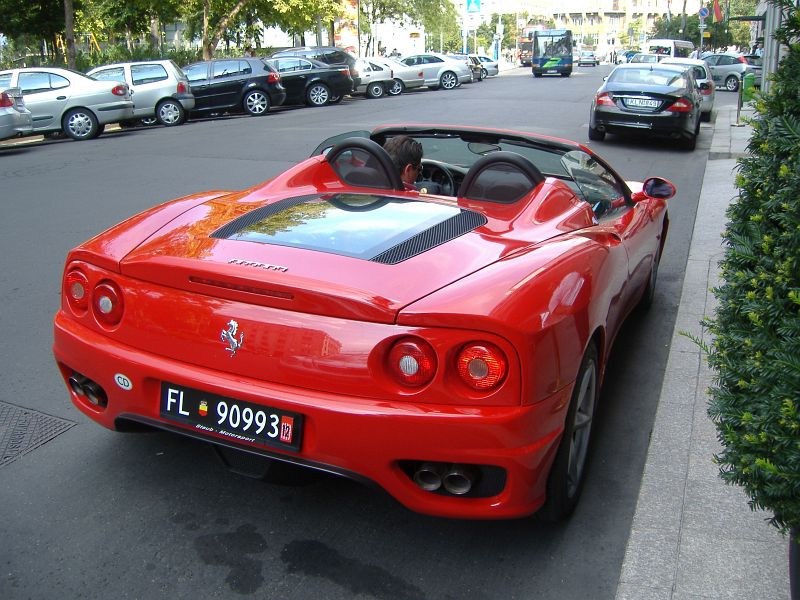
(582, 428)
(256, 103)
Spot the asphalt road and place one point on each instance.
(98, 514)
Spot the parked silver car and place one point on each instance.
(64, 100)
(440, 71)
(15, 119)
(159, 88)
(375, 78)
(490, 65)
(728, 69)
(702, 74)
(403, 76)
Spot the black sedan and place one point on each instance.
(234, 85)
(312, 82)
(648, 98)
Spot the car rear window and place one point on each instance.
(112, 74)
(150, 73)
(648, 76)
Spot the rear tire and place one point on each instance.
(484, 73)
(732, 83)
(318, 94)
(256, 103)
(375, 90)
(80, 124)
(596, 135)
(170, 113)
(565, 482)
(537, 74)
(448, 80)
(396, 88)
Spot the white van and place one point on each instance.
(672, 48)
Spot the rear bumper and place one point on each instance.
(113, 113)
(14, 123)
(360, 437)
(664, 123)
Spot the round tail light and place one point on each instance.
(412, 362)
(107, 303)
(482, 366)
(76, 288)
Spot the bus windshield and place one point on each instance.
(551, 43)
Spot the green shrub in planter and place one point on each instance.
(755, 401)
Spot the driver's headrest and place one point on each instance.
(502, 177)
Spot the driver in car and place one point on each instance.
(406, 154)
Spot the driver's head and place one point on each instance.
(406, 155)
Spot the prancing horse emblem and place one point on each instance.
(229, 336)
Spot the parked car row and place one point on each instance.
(46, 100)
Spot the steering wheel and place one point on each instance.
(436, 178)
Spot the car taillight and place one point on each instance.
(742, 59)
(273, 78)
(76, 288)
(707, 91)
(481, 366)
(5, 100)
(421, 74)
(412, 362)
(681, 105)
(181, 88)
(604, 99)
(120, 90)
(107, 303)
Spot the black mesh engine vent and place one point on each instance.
(455, 226)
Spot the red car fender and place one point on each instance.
(548, 302)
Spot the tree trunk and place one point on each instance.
(69, 34)
(207, 48)
(155, 33)
(683, 21)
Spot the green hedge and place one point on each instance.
(755, 401)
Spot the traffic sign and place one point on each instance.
(703, 12)
(474, 6)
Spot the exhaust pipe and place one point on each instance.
(429, 476)
(459, 479)
(76, 383)
(94, 393)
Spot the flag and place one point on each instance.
(717, 12)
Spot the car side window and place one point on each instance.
(433, 59)
(34, 82)
(728, 60)
(113, 74)
(244, 68)
(57, 81)
(224, 68)
(5, 80)
(304, 65)
(597, 185)
(196, 72)
(141, 74)
(375, 67)
(411, 61)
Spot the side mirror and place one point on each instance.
(655, 187)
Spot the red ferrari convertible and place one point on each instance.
(446, 344)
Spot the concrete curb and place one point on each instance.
(692, 536)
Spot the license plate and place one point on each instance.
(642, 103)
(235, 419)
(552, 71)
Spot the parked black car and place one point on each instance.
(648, 98)
(235, 85)
(327, 54)
(310, 81)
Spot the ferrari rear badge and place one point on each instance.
(260, 265)
(229, 337)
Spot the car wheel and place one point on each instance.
(396, 88)
(170, 113)
(375, 90)
(566, 477)
(80, 124)
(705, 117)
(732, 83)
(318, 94)
(596, 135)
(484, 73)
(256, 103)
(537, 74)
(448, 80)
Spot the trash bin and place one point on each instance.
(748, 87)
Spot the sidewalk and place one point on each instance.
(693, 537)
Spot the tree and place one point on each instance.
(43, 19)
(755, 399)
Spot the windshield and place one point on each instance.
(649, 76)
(551, 45)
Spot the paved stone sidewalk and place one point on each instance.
(693, 537)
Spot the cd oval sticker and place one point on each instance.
(123, 382)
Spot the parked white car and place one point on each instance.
(375, 78)
(159, 88)
(403, 76)
(63, 100)
(15, 119)
(440, 71)
(490, 65)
